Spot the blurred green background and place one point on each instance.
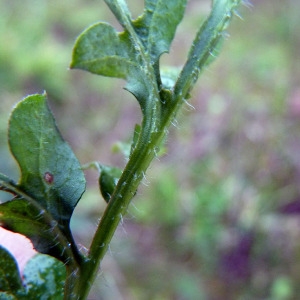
(218, 216)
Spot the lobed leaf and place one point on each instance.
(101, 50)
(156, 27)
(50, 172)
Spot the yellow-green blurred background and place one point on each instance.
(218, 216)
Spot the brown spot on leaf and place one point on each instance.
(49, 178)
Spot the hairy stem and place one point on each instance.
(117, 207)
(156, 121)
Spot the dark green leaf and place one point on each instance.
(108, 180)
(157, 26)
(10, 280)
(50, 172)
(44, 278)
(21, 216)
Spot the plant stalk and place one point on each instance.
(154, 128)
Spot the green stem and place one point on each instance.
(154, 128)
(133, 173)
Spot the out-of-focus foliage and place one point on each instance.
(220, 218)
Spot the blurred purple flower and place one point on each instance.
(235, 263)
(292, 208)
